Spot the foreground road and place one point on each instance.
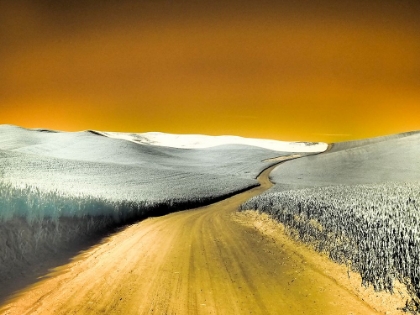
(192, 262)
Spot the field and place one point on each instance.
(58, 187)
(359, 203)
(198, 261)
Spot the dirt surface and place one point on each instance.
(283, 158)
(202, 261)
(383, 302)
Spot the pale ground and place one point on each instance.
(210, 260)
(191, 141)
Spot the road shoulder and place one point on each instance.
(383, 302)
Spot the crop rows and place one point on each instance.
(374, 228)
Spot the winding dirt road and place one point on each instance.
(198, 261)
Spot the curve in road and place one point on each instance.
(199, 261)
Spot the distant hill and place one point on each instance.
(133, 166)
(339, 146)
(192, 141)
(393, 158)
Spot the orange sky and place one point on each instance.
(327, 72)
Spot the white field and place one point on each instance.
(393, 158)
(90, 164)
(192, 141)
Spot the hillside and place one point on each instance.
(392, 158)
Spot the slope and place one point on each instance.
(394, 158)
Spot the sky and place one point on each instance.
(288, 70)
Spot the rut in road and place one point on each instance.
(198, 261)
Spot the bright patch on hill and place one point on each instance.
(188, 141)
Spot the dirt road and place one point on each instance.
(192, 262)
